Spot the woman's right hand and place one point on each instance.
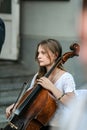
(9, 110)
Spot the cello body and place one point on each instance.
(35, 116)
(40, 111)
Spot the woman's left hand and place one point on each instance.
(45, 83)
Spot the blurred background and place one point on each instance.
(27, 23)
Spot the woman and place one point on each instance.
(60, 83)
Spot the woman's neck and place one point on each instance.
(56, 69)
(49, 67)
(54, 72)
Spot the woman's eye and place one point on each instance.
(43, 52)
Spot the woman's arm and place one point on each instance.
(9, 110)
(64, 98)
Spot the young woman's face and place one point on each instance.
(45, 58)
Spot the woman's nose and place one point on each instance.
(39, 56)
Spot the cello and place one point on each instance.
(37, 105)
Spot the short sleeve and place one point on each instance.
(69, 83)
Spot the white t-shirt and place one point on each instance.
(65, 84)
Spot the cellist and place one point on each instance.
(60, 83)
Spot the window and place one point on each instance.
(9, 12)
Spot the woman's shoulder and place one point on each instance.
(35, 75)
(33, 80)
(67, 75)
(66, 82)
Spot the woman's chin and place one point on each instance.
(42, 65)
